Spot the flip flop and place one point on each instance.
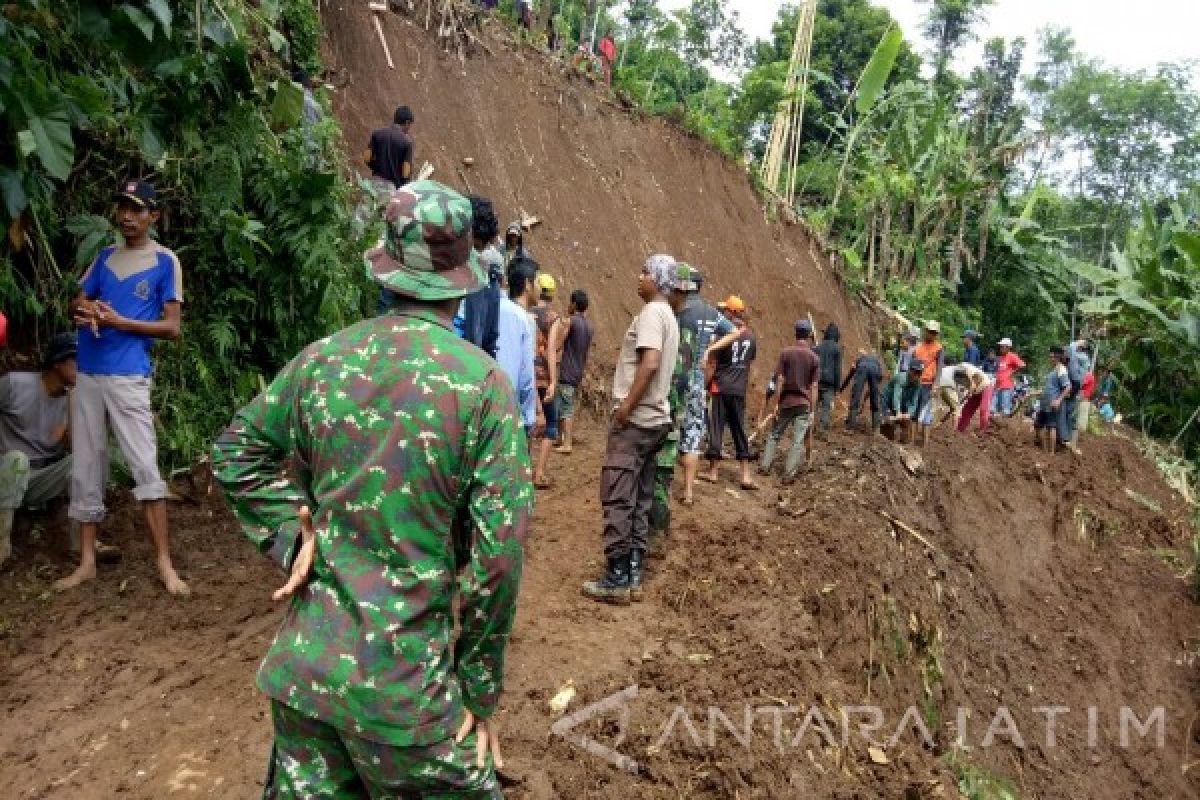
(687, 502)
(750, 487)
(566, 451)
(545, 483)
(707, 479)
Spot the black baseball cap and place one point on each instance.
(61, 347)
(803, 329)
(138, 192)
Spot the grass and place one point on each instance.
(976, 783)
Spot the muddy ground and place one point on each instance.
(1029, 584)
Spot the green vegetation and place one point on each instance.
(976, 783)
(256, 206)
(1033, 196)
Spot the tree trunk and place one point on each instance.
(871, 245)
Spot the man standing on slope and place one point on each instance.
(545, 371)
(795, 374)
(668, 454)
(515, 344)
(128, 298)
(829, 351)
(640, 424)
(384, 469)
(930, 353)
(733, 356)
(389, 154)
(574, 342)
(481, 309)
(1008, 364)
(703, 324)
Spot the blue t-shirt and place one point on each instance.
(137, 283)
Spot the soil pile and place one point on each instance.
(961, 590)
(610, 187)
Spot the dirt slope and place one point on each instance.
(611, 188)
(1008, 580)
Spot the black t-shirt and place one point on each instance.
(575, 351)
(733, 364)
(391, 149)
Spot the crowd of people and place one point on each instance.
(391, 468)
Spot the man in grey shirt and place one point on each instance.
(35, 454)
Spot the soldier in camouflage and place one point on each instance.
(404, 441)
(668, 456)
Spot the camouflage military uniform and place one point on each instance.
(405, 442)
(668, 456)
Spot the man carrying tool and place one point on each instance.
(545, 369)
(902, 399)
(930, 353)
(830, 353)
(795, 374)
(385, 470)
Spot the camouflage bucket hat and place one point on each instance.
(426, 252)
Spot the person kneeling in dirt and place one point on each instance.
(419, 485)
(35, 454)
(128, 298)
(1052, 410)
(902, 401)
(795, 374)
(640, 424)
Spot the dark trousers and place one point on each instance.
(865, 380)
(825, 395)
(728, 410)
(627, 487)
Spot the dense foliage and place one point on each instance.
(1010, 198)
(255, 204)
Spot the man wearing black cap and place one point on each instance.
(129, 298)
(795, 375)
(390, 152)
(35, 453)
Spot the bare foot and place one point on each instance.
(171, 580)
(83, 574)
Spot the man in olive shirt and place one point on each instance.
(640, 424)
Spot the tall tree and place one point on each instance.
(949, 25)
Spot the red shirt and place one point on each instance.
(1006, 365)
(608, 49)
(1089, 386)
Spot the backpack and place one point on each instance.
(545, 318)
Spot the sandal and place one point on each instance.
(750, 487)
(687, 502)
(707, 478)
(544, 483)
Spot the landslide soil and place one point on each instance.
(610, 187)
(1040, 581)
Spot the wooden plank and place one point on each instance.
(387, 52)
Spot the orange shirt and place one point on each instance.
(927, 353)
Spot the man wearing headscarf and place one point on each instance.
(640, 423)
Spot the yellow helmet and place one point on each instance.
(546, 284)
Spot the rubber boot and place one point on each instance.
(6, 524)
(614, 586)
(636, 558)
